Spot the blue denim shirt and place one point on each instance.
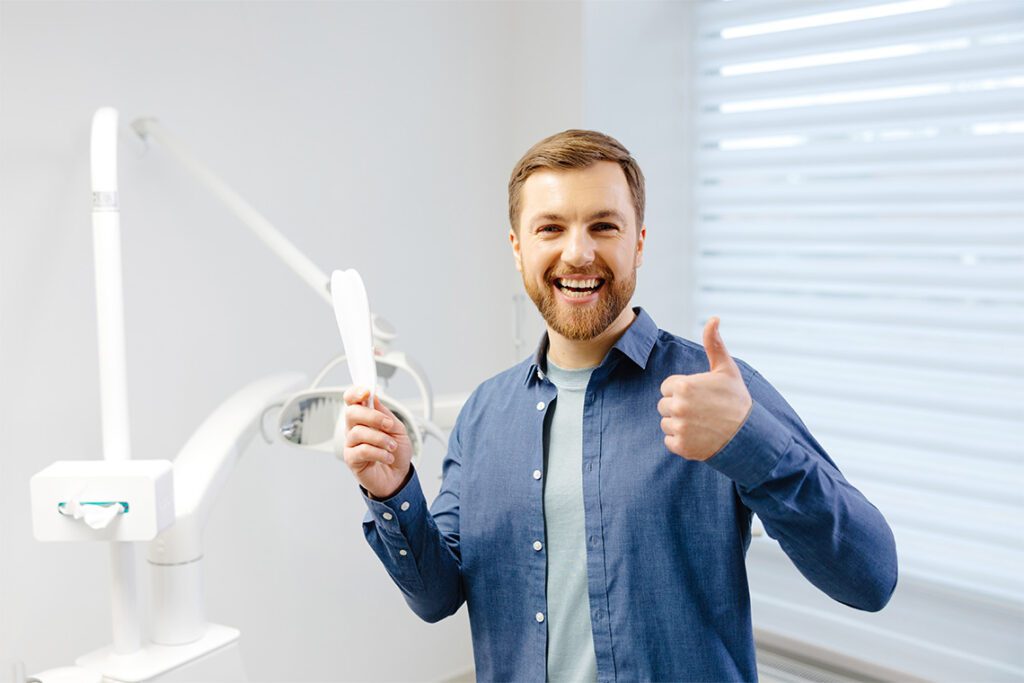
(666, 537)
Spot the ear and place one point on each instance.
(640, 245)
(514, 238)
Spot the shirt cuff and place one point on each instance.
(388, 514)
(751, 455)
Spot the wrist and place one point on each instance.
(378, 496)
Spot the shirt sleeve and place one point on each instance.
(831, 532)
(419, 547)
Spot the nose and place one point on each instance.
(579, 249)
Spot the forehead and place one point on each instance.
(577, 191)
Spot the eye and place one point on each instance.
(605, 226)
(548, 228)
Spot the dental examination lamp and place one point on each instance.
(167, 504)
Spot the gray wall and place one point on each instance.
(378, 136)
(636, 87)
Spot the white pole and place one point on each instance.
(113, 375)
(263, 229)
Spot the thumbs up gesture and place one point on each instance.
(701, 413)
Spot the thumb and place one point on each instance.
(719, 359)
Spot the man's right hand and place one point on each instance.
(377, 447)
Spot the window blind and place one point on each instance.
(860, 230)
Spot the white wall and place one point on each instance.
(373, 135)
(636, 88)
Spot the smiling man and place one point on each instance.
(597, 498)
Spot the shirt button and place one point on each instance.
(598, 614)
(540, 405)
(403, 552)
(388, 516)
(540, 374)
(537, 545)
(405, 506)
(593, 541)
(536, 474)
(539, 617)
(590, 467)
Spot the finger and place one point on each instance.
(672, 426)
(355, 395)
(365, 454)
(671, 406)
(361, 434)
(383, 408)
(356, 414)
(719, 359)
(671, 384)
(666, 426)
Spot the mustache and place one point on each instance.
(602, 273)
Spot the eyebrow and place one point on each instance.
(605, 213)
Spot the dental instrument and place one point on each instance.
(167, 504)
(352, 313)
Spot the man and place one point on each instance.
(597, 498)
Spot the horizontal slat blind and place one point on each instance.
(860, 230)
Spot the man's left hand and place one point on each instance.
(701, 413)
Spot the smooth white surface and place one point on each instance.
(352, 313)
(146, 485)
(152, 662)
(207, 460)
(179, 602)
(103, 150)
(106, 230)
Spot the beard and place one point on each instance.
(581, 323)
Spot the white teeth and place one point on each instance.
(579, 284)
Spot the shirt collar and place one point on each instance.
(635, 344)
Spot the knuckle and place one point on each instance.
(355, 436)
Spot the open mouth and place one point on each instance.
(578, 289)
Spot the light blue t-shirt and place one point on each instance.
(570, 655)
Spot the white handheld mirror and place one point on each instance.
(352, 311)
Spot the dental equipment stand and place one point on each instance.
(125, 501)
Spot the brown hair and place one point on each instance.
(575, 149)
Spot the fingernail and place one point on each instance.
(387, 423)
(392, 444)
(391, 459)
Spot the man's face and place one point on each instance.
(578, 247)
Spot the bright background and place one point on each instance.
(840, 180)
(373, 135)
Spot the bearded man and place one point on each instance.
(597, 498)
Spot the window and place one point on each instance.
(860, 230)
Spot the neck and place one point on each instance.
(572, 354)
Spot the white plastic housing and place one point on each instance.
(103, 150)
(146, 485)
(178, 603)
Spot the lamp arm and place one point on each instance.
(282, 247)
